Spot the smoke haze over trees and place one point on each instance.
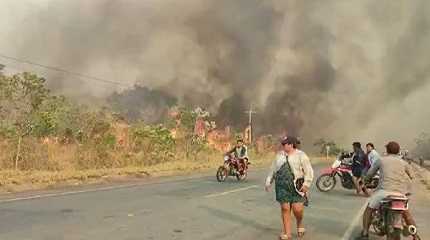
(350, 70)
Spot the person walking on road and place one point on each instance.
(293, 174)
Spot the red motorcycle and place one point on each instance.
(388, 219)
(342, 168)
(233, 167)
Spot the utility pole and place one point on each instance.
(327, 151)
(250, 112)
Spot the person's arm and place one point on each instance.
(371, 158)
(354, 158)
(362, 158)
(246, 153)
(273, 169)
(374, 168)
(231, 151)
(307, 170)
(409, 171)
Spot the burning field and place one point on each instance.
(127, 77)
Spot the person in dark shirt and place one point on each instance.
(358, 164)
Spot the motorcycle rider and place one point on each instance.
(372, 157)
(395, 177)
(240, 151)
(358, 163)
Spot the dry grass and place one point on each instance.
(50, 165)
(422, 174)
(63, 172)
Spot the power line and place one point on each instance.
(19, 69)
(63, 70)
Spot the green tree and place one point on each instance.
(322, 144)
(21, 95)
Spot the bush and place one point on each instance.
(422, 148)
(155, 142)
(322, 144)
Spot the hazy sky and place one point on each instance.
(348, 70)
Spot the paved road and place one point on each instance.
(176, 208)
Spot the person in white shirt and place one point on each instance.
(372, 157)
(372, 154)
(293, 175)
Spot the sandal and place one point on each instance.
(284, 237)
(301, 232)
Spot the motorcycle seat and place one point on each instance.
(395, 197)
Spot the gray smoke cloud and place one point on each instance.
(347, 70)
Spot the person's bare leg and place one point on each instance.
(286, 218)
(367, 218)
(409, 220)
(365, 190)
(298, 210)
(355, 180)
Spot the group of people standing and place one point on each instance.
(293, 175)
(361, 163)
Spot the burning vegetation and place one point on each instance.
(40, 131)
(175, 79)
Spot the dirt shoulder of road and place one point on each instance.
(20, 181)
(422, 175)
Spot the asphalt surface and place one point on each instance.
(179, 208)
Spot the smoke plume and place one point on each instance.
(347, 70)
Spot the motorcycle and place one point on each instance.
(233, 167)
(388, 219)
(342, 168)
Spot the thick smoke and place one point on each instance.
(141, 103)
(348, 70)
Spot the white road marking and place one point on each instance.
(100, 189)
(67, 193)
(232, 191)
(356, 221)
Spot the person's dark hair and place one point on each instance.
(356, 144)
(370, 145)
(290, 140)
(240, 140)
(393, 148)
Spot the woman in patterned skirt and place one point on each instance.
(293, 175)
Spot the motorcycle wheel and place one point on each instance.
(376, 224)
(221, 174)
(394, 234)
(326, 182)
(243, 176)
